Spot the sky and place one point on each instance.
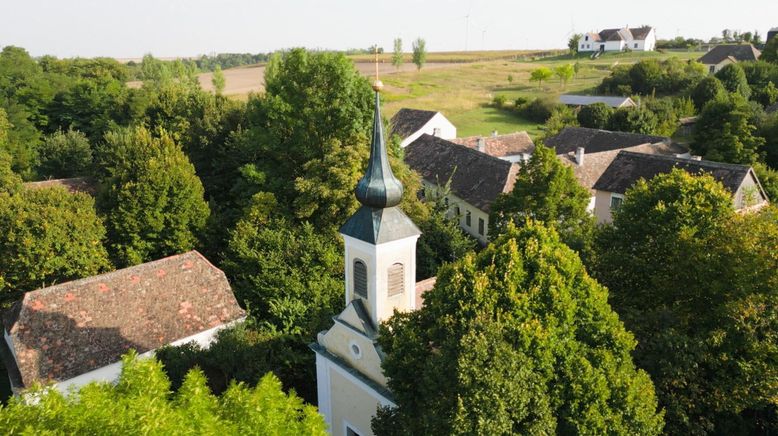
(173, 28)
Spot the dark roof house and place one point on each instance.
(476, 177)
(407, 121)
(596, 140)
(66, 330)
(733, 52)
(586, 100)
(628, 167)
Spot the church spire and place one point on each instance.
(378, 188)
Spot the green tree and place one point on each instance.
(47, 236)
(64, 154)
(709, 89)
(10, 182)
(546, 190)
(734, 80)
(770, 52)
(419, 53)
(516, 340)
(696, 283)
(217, 80)
(540, 74)
(768, 129)
(573, 42)
(141, 403)
(397, 55)
(561, 117)
(595, 116)
(768, 178)
(565, 73)
(151, 196)
(646, 76)
(635, 120)
(724, 132)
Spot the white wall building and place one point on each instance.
(610, 40)
(410, 124)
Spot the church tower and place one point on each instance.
(380, 255)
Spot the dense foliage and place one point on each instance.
(47, 235)
(141, 403)
(697, 284)
(651, 76)
(152, 199)
(64, 154)
(546, 190)
(516, 340)
(725, 131)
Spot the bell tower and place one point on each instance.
(380, 240)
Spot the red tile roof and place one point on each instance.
(72, 328)
(501, 145)
(75, 184)
(422, 287)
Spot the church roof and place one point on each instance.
(355, 316)
(72, 328)
(378, 187)
(378, 226)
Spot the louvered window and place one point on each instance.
(396, 279)
(360, 278)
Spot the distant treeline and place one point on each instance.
(207, 63)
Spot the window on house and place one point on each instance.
(712, 69)
(616, 201)
(360, 278)
(457, 211)
(396, 280)
(467, 218)
(586, 38)
(436, 131)
(481, 226)
(636, 45)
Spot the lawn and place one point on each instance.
(463, 93)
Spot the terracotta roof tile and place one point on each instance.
(422, 287)
(72, 328)
(501, 145)
(75, 184)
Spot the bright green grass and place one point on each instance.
(483, 120)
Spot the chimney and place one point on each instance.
(481, 145)
(579, 155)
(494, 133)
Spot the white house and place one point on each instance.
(636, 38)
(475, 179)
(380, 256)
(409, 124)
(628, 167)
(75, 333)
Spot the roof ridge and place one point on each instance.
(702, 162)
(466, 148)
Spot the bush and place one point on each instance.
(539, 110)
(64, 154)
(635, 120)
(595, 116)
(499, 100)
(709, 89)
(734, 80)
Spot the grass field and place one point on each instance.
(461, 56)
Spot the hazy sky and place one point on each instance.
(190, 27)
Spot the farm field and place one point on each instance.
(462, 89)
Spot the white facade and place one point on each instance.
(438, 126)
(590, 42)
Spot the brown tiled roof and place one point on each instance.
(640, 33)
(627, 168)
(476, 177)
(422, 287)
(596, 163)
(75, 184)
(595, 140)
(501, 145)
(738, 52)
(72, 328)
(408, 121)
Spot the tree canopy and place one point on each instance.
(725, 131)
(151, 196)
(141, 403)
(419, 53)
(47, 236)
(64, 154)
(696, 283)
(516, 340)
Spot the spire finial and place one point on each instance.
(377, 84)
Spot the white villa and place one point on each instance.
(636, 38)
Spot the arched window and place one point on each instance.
(360, 278)
(396, 280)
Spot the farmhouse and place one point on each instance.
(380, 256)
(513, 147)
(476, 179)
(590, 151)
(409, 124)
(75, 333)
(628, 167)
(636, 38)
(586, 100)
(721, 55)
